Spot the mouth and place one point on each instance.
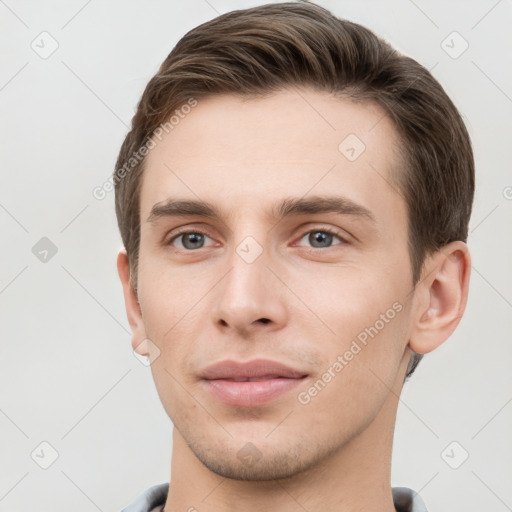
(250, 384)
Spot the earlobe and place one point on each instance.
(441, 297)
(133, 310)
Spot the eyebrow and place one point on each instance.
(293, 206)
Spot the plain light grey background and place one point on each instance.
(68, 375)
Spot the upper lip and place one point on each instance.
(257, 368)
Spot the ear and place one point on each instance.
(441, 297)
(133, 311)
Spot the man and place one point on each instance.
(293, 198)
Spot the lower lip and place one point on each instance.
(249, 393)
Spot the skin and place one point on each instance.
(203, 305)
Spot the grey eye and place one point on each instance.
(320, 239)
(190, 240)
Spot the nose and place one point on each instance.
(249, 298)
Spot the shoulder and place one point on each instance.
(405, 499)
(149, 499)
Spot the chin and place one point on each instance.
(249, 463)
(262, 471)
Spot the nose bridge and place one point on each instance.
(249, 253)
(247, 294)
(247, 281)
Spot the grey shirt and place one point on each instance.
(153, 500)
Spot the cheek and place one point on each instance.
(349, 300)
(360, 370)
(367, 318)
(167, 294)
(175, 308)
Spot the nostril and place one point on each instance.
(264, 320)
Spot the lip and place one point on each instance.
(249, 384)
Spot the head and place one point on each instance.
(278, 117)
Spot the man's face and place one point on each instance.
(304, 290)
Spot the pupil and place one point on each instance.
(192, 240)
(320, 239)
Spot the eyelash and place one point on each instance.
(328, 231)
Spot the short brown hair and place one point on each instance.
(257, 51)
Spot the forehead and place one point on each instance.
(250, 153)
